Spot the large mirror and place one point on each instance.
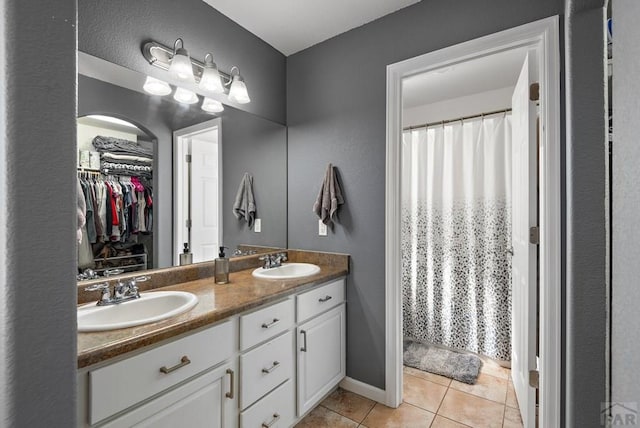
(174, 173)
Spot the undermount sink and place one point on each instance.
(287, 271)
(150, 307)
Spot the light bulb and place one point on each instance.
(238, 91)
(210, 80)
(185, 96)
(156, 87)
(212, 106)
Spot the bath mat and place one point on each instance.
(455, 365)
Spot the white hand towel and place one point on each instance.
(329, 198)
(245, 205)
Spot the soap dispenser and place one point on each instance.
(186, 258)
(222, 268)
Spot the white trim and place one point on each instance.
(543, 37)
(178, 176)
(364, 389)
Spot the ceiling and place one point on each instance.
(496, 71)
(293, 25)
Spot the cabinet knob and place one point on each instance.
(183, 362)
(275, 365)
(276, 416)
(232, 376)
(324, 299)
(271, 324)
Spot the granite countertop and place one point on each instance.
(215, 303)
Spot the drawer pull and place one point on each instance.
(232, 376)
(184, 361)
(304, 343)
(273, 421)
(324, 299)
(271, 324)
(275, 365)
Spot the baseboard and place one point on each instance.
(364, 389)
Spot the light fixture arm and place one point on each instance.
(228, 83)
(160, 56)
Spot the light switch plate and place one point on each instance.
(322, 228)
(257, 225)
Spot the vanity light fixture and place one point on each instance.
(238, 90)
(207, 75)
(185, 96)
(180, 66)
(156, 86)
(210, 80)
(212, 106)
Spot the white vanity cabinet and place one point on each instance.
(250, 370)
(195, 374)
(321, 343)
(206, 401)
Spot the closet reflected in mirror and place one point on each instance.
(115, 187)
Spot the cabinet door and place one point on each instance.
(321, 357)
(208, 401)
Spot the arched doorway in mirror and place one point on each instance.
(116, 160)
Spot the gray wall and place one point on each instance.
(626, 200)
(115, 30)
(257, 146)
(336, 113)
(37, 220)
(249, 143)
(585, 304)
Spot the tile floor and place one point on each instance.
(430, 401)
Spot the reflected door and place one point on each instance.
(198, 190)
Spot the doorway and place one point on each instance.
(198, 190)
(540, 39)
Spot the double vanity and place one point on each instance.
(260, 351)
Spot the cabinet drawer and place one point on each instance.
(115, 387)
(276, 410)
(265, 367)
(266, 323)
(316, 301)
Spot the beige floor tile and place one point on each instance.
(422, 393)
(512, 418)
(471, 410)
(440, 380)
(492, 368)
(321, 417)
(489, 387)
(442, 422)
(348, 404)
(405, 416)
(512, 400)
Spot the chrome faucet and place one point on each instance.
(122, 291)
(273, 260)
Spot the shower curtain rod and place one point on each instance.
(442, 122)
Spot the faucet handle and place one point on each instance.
(97, 287)
(103, 287)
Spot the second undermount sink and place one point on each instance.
(150, 307)
(287, 271)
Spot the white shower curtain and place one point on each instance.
(456, 230)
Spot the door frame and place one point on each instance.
(543, 37)
(179, 153)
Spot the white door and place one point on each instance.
(198, 190)
(207, 401)
(321, 357)
(524, 216)
(205, 198)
